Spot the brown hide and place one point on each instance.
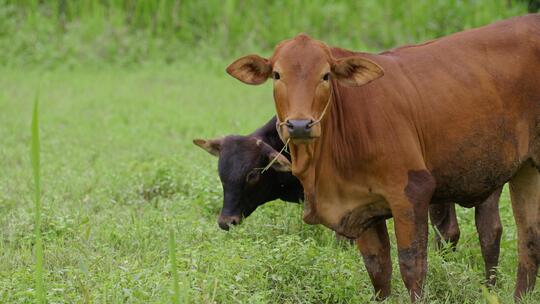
(463, 107)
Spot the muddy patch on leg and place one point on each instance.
(374, 245)
(412, 230)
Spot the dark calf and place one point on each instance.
(240, 166)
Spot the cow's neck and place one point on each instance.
(306, 163)
(347, 142)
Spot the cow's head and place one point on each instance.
(245, 186)
(302, 70)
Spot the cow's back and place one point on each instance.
(472, 99)
(478, 105)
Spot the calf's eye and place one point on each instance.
(326, 77)
(252, 177)
(276, 75)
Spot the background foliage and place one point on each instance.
(132, 31)
(124, 88)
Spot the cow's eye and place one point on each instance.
(326, 77)
(276, 75)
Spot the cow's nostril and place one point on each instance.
(235, 220)
(299, 128)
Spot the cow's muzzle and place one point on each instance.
(299, 128)
(224, 221)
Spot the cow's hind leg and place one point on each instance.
(525, 194)
(444, 220)
(489, 227)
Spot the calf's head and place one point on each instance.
(303, 70)
(240, 166)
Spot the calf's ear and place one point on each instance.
(212, 146)
(280, 162)
(251, 69)
(356, 71)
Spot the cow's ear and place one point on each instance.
(356, 71)
(251, 69)
(212, 146)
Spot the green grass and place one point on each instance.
(174, 271)
(119, 171)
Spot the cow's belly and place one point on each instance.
(469, 170)
(469, 188)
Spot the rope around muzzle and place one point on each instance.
(279, 124)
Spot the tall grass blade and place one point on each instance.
(174, 272)
(40, 290)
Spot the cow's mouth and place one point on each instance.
(302, 141)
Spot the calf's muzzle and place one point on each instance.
(224, 221)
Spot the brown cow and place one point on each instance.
(452, 119)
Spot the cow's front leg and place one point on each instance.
(374, 246)
(410, 211)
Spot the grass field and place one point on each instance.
(120, 173)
